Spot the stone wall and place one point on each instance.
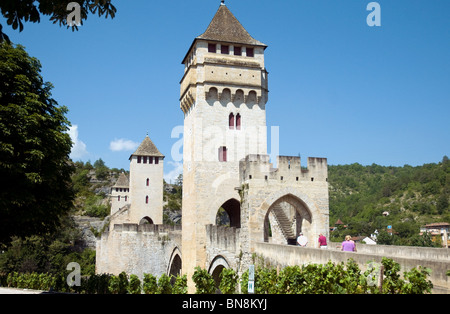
(137, 249)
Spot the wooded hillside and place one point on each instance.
(413, 197)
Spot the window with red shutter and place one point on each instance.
(223, 154)
(231, 121)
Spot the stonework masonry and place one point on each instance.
(223, 97)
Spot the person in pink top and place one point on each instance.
(348, 245)
(322, 241)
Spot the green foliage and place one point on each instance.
(333, 278)
(134, 285)
(228, 281)
(416, 281)
(164, 286)
(180, 286)
(150, 284)
(204, 282)
(413, 197)
(34, 149)
(18, 11)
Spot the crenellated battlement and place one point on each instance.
(289, 168)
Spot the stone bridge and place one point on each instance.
(158, 250)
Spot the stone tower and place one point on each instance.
(146, 184)
(224, 92)
(120, 193)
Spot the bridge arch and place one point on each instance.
(218, 264)
(292, 211)
(175, 263)
(145, 221)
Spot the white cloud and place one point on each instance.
(119, 145)
(79, 148)
(176, 171)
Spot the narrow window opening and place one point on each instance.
(156, 160)
(223, 154)
(145, 159)
(312, 179)
(231, 121)
(212, 48)
(250, 52)
(148, 182)
(146, 200)
(139, 159)
(150, 160)
(225, 50)
(238, 121)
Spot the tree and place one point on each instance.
(35, 170)
(17, 11)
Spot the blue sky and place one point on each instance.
(338, 88)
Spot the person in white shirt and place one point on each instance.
(302, 240)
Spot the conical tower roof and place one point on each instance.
(225, 27)
(147, 148)
(123, 181)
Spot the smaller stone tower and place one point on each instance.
(120, 193)
(146, 184)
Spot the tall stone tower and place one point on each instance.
(224, 92)
(120, 193)
(146, 184)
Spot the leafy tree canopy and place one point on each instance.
(17, 11)
(35, 168)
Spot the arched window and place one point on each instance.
(146, 199)
(231, 121)
(148, 182)
(238, 121)
(223, 154)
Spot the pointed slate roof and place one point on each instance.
(147, 148)
(123, 181)
(225, 27)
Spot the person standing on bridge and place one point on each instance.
(302, 240)
(348, 245)
(322, 241)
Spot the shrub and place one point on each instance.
(134, 285)
(180, 286)
(150, 284)
(164, 286)
(204, 282)
(228, 281)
